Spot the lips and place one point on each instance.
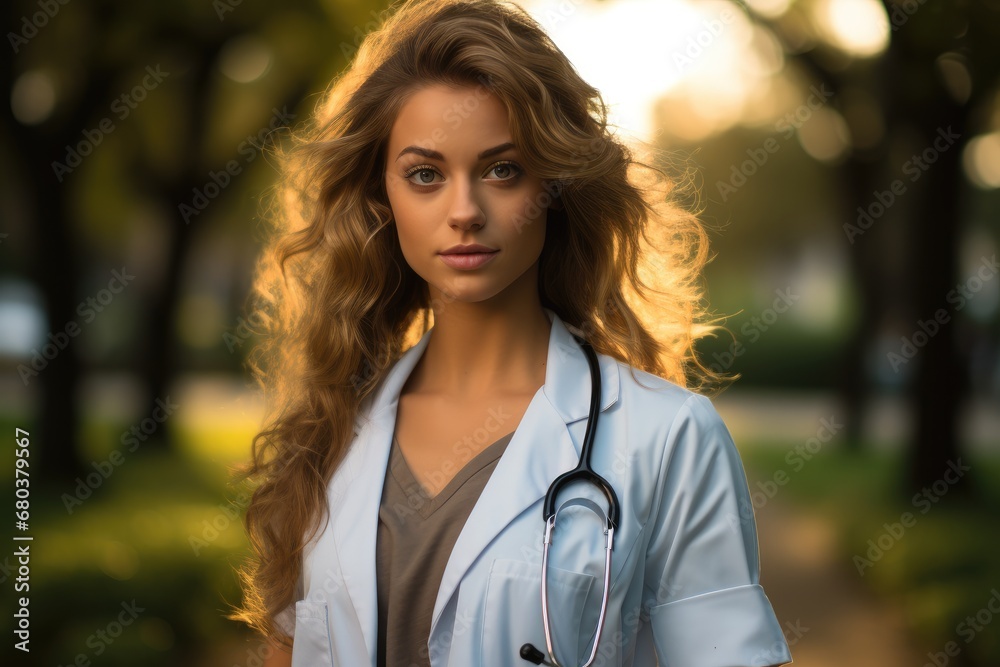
(467, 261)
(467, 249)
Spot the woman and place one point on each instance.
(462, 169)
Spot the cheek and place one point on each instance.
(409, 240)
(401, 198)
(414, 241)
(394, 185)
(532, 224)
(392, 191)
(403, 214)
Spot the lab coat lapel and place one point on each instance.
(355, 494)
(539, 451)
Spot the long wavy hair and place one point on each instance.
(337, 304)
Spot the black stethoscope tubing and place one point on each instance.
(583, 471)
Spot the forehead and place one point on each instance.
(456, 121)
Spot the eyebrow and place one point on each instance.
(435, 155)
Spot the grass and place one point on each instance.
(162, 533)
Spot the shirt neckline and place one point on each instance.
(429, 504)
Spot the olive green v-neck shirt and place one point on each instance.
(416, 534)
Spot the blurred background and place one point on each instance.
(848, 158)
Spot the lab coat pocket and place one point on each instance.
(311, 646)
(513, 613)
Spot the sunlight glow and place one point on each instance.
(769, 8)
(858, 27)
(707, 56)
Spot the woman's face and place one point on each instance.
(453, 178)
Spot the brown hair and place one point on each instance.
(338, 302)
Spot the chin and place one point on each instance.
(464, 292)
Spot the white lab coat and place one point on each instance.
(684, 579)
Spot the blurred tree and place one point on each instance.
(945, 61)
(91, 54)
(932, 84)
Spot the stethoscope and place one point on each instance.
(582, 472)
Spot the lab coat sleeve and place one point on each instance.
(706, 607)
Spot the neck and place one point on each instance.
(482, 349)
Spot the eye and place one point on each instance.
(506, 170)
(421, 170)
(510, 169)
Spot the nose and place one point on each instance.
(465, 210)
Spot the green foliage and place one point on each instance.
(154, 535)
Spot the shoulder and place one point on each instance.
(663, 401)
(669, 420)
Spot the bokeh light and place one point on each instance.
(981, 159)
(858, 27)
(33, 97)
(245, 59)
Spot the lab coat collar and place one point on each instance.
(540, 450)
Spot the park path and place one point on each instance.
(829, 617)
